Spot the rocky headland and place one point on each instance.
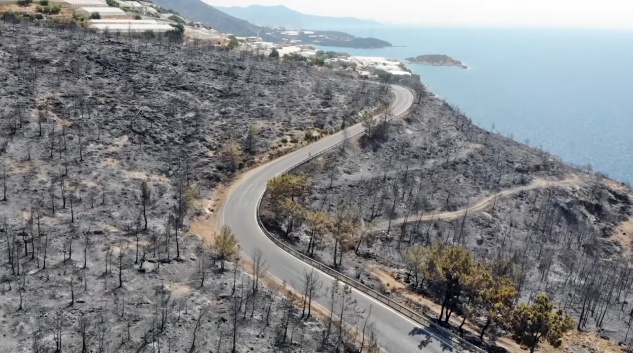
(437, 60)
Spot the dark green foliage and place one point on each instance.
(49, 9)
(177, 19)
(295, 57)
(531, 322)
(178, 28)
(274, 54)
(233, 43)
(149, 34)
(12, 17)
(95, 16)
(318, 61)
(384, 76)
(327, 55)
(177, 34)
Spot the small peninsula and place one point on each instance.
(437, 60)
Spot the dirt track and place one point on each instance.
(484, 203)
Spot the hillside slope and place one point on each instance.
(282, 16)
(107, 144)
(436, 178)
(200, 11)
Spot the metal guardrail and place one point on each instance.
(421, 319)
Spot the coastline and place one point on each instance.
(462, 66)
(551, 124)
(437, 60)
(613, 182)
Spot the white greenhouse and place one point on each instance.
(104, 12)
(132, 26)
(81, 3)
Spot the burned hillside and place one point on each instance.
(435, 179)
(107, 145)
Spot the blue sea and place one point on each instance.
(567, 91)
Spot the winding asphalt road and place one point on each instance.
(396, 333)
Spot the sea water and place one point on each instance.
(567, 91)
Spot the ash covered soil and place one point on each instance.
(435, 177)
(86, 119)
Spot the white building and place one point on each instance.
(135, 5)
(133, 26)
(290, 33)
(209, 35)
(366, 64)
(150, 10)
(306, 51)
(122, 22)
(249, 39)
(81, 3)
(104, 12)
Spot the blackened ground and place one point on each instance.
(435, 177)
(85, 119)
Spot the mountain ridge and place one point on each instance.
(200, 11)
(283, 16)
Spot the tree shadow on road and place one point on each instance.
(429, 334)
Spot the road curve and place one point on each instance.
(240, 213)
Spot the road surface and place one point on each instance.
(396, 333)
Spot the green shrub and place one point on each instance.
(274, 54)
(178, 27)
(95, 16)
(138, 17)
(177, 19)
(233, 43)
(11, 17)
(149, 34)
(25, 2)
(319, 61)
(50, 9)
(295, 57)
(44, 2)
(112, 3)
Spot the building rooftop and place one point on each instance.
(104, 10)
(83, 3)
(290, 33)
(132, 4)
(132, 27)
(123, 21)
